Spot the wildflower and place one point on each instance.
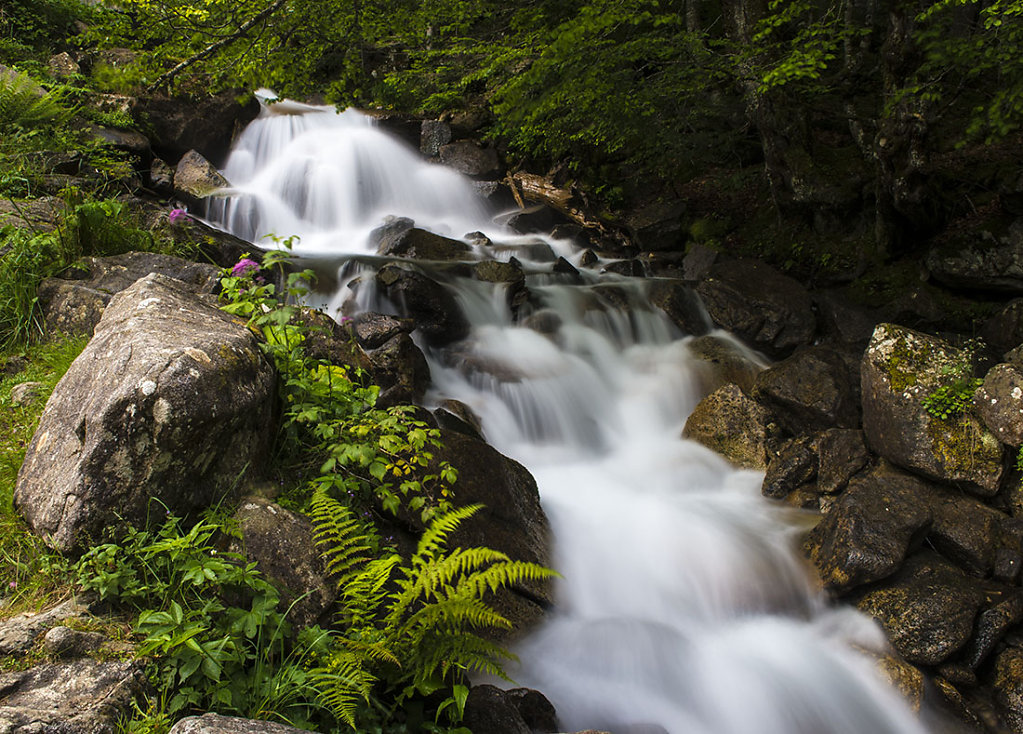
(13, 585)
(176, 215)
(244, 267)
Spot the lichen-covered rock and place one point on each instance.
(999, 402)
(18, 633)
(770, 311)
(733, 425)
(195, 178)
(809, 391)
(79, 697)
(65, 642)
(927, 609)
(170, 401)
(900, 368)
(76, 306)
(280, 543)
(873, 524)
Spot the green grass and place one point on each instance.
(30, 574)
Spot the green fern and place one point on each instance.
(24, 105)
(409, 626)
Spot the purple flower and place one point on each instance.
(13, 585)
(243, 267)
(176, 215)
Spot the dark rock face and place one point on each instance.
(205, 124)
(996, 266)
(733, 425)
(842, 453)
(432, 135)
(1008, 686)
(79, 697)
(373, 330)
(432, 307)
(418, 244)
(172, 399)
(466, 156)
(1004, 330)
(76, 306)
(280, 542)
(794, 465)
(681, 304)
(400, 370)
(965, 530)
(658, 226)
(927, 610)
(900, 368)
(488, 710)
(770, 311)
(870, 529)
(217, 724)
(809, 391)
(729, 361)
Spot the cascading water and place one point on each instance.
(684, 606)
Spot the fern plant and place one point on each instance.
(409, 627)
(24, 105)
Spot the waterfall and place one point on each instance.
(684, 606)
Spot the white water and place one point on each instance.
(684, 606)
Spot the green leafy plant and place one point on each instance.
(953, 397)
(356, 450)
(410, 627)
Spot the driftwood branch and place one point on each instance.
(216, 46)
(530, 187)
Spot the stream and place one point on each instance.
(685, 606)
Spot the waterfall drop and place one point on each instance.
(684, 605)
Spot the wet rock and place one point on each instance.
(26, 393)
(927, 608)
(457, 416)
(65, 642)
(535, 218)
(564, 267)
(488, 710)
(195, 178)
(770, 311)
(79, 697)
(844, 322)
(698, 261)
(842, 453)
(161, 177)
(545, 321)
(418, 244)
(809, 391)
(907, 679)
(795, 464)
(466, 156)
(495, 271)
(400, 370)
(432, 135)
(536, 711)
(999, 403)
(1008, 686)
(632, 268)
(1008, 560)
(681, 304)
(731, 424)
(218, 724)
(280, 543)
(588, 259)
(18, 633)
(76, 306)
(732, 362)
(434, 309)
(203, 123)
(539, 252)
(373, 330)
(900, 368)
(870, 529)
(171, 400)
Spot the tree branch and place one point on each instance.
(216, 46)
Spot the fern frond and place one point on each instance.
(342, 536)
(343, 683)
(436, 535)
(364, 592)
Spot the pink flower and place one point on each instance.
(243, 267)
(176, 215)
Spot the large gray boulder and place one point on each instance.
(168, 405)
(75, 306)
(218, 724)
(900, 369)
(195, 178)
(79, 697)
